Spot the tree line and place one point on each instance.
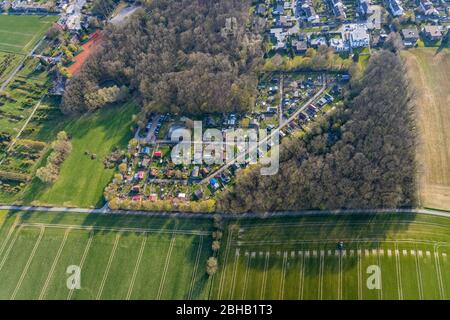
(359, 156)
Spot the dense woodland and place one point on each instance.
(361, 156)
(179, 56)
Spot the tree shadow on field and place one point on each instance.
(309, 237)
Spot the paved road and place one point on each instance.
(105, 210)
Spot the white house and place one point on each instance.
(358, 37)
(395, 8)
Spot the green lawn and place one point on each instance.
(137, 257)
(83, 179)
(19, 34)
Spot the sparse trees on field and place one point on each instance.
(212, 266)
(215, 246)
(62, 147)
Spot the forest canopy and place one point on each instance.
(179, 56)
(360, 156)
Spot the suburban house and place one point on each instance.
(338, 45)
(410, 37)
(279, 38)
(358, 37)
(278, 10)
(363, 8)
(285, 21)
(338, 9)
(317, 42)
(432, 33)
(395, 8)
(299, 46)
(309, 13)
(427, 8)
(31, 6)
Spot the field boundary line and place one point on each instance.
(194, 272)
(380, 238)
(166, 267)
(301, 278)
(5, 257)
(247, 271)
(234, 275)
(10, 232)
(122, 230)
(83, 259)
(398, 269)
(380, 291)
(348, 240)
(222, 277)
(340, 278)
(17, 33)
(108, 266)
(359, 268)
(419, 276)
(283, 276)
(27, 265)
(53, 267)
(136, 267)
(264, 280)
(333, 223)
(321, 270)
(439, 273)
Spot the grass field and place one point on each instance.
(83, 179)
(19, 34)
(134, 257)
(429, 70)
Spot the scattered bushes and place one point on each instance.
(62, 147)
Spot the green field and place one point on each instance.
(136, 257)
(83, 179)
(19, 34)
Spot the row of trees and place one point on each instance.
(62, 147)
(203, 206)
(324, 58)
(212, 264)
(188, 56)
(360, 156)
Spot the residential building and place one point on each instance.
(338, 9)
(358, 37)
(410, 37)
(395, 8)
(363, 8)
(338, 44)
(317, 42)
(427, 8)
(279, 38)
(299, 46)
(309, 13)
(432, 33)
